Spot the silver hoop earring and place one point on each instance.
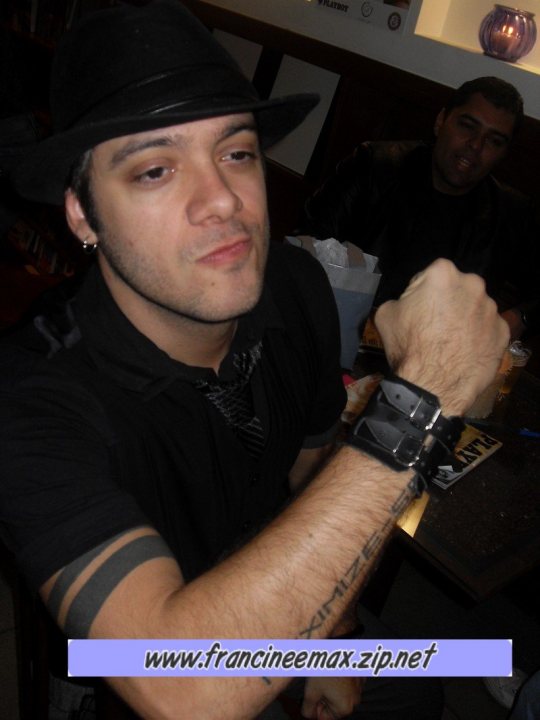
(88, 247)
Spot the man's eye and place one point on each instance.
(240, 155)
(497, 142)
(153, 174)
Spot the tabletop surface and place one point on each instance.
(484, 531)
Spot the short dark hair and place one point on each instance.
(496, 91)
(79, 183)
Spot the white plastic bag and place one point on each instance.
(354, 286)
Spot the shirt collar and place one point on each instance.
(119, 350)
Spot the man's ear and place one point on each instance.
(438, 122)
(76, 219)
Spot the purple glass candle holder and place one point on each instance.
(507, 33)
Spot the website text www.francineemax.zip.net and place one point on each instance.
(370, 662)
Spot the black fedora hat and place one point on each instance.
(129, 69)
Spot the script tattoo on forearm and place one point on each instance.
(373, 545)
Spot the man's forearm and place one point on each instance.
(294, 580)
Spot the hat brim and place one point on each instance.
(43, 170)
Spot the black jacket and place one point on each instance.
(381, 198)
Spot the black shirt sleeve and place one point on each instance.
(58, 498)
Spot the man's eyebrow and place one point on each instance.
(236, 128)
(136, 146)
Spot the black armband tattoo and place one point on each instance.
(72, 571)
(90, 598)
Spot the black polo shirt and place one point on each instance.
(102, 431)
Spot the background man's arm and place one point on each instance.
(329, 211)
(523, 266)
(515, 323)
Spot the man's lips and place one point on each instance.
(465, 163)
(230, 252)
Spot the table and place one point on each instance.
(484, 531)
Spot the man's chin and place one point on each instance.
(227, 311)
(457, 185)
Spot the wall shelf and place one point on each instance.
(455, 23)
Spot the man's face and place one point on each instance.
(471, 141)
(183, 218)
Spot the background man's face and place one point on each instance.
(471, 140)
(183, 218)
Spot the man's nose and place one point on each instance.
(212, 197)
(476, 141)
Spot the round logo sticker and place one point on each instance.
(367, 9)
(394, 21)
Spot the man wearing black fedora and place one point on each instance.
(157, 421)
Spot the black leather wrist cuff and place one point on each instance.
(402, 426)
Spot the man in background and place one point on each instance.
(411, 202)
